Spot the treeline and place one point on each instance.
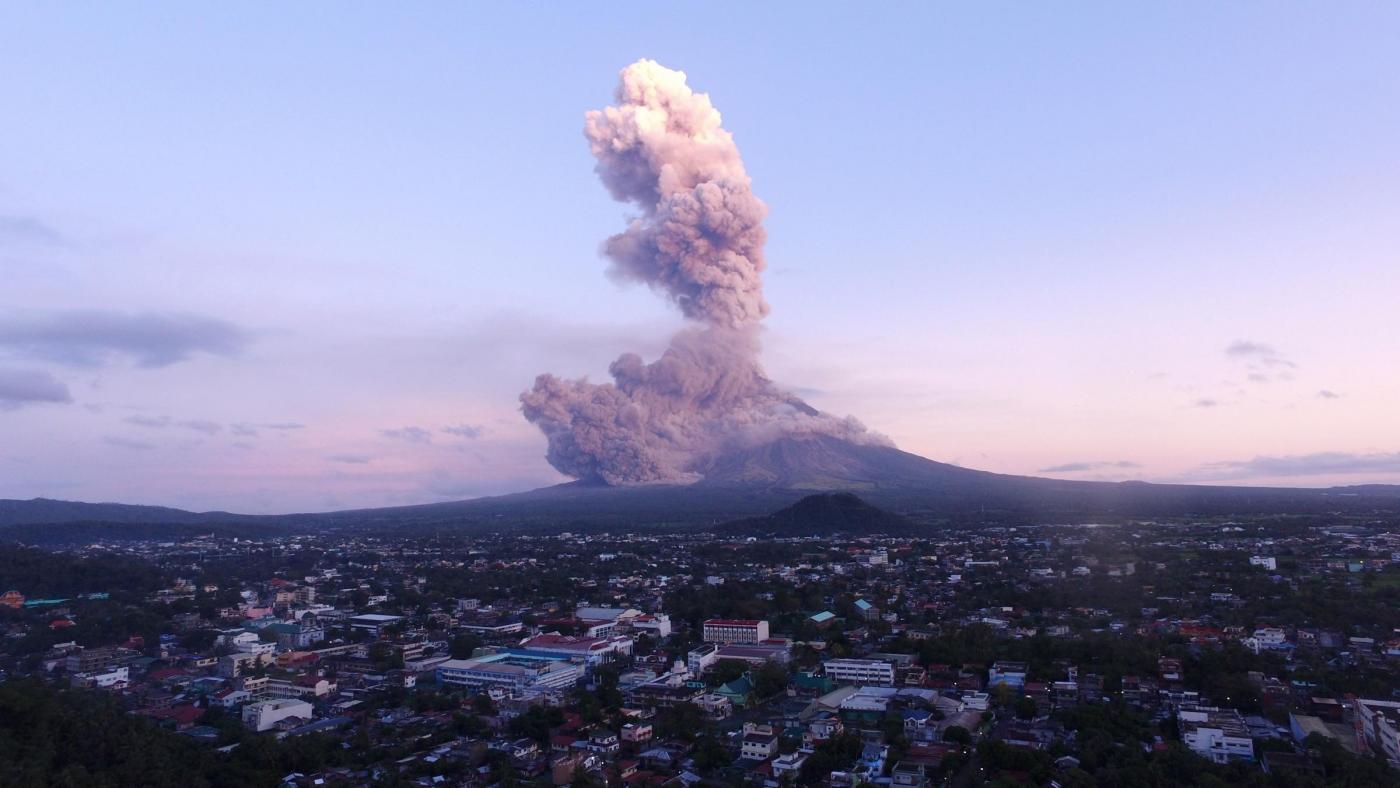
(36, 573)
(82, 738)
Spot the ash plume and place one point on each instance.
(699, 240)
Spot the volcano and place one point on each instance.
(762, 479)
(765, 478)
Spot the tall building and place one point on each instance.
(860, 671)
(1378, 727)
(727, 630)
(509, 671)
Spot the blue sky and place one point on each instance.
(1012, 236)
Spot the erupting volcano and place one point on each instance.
(699, 241)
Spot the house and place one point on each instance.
(789, 765)
(916, 719)
(637, 732)
(265, 715)
(1218, 734)
(759, 742)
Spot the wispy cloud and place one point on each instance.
(127, 443)
(1328, 394)
(201, 425)
(468, 431)
(1263, 362)
(154, 422)
(350, 459)
(410, 434)
(1318, 464)
(253, 430)
(20, 387)
(28, 229)
(92, 337)
(1206, 402)
(1098, 465)
(1258, 352)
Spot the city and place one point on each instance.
(1262, 651)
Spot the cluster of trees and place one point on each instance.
(37, 573)
(81, 738)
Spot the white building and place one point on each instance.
(102, 678)
(1267, 561)
(860, 671)
(760, 742)
(265, 714)
(790, 764)
(1265, 638)
(1217, 734)
(743, 631)
(657, 625)
(1378, 721)
(701, 658)
(592, 651)
(509, 671)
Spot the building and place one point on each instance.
(231, 666)
(590, 651)
(637, 732)
(102, 679)
(1218, 734)
(1378, 726)
(373, 622)
(600, 622)
(265, 714)
(754, 655)
(509, 671)
(1012, 674)
(91, 660)
(700, 658)
(790, 765)
(657, 625)
(741, 631)
(760, 742)
(860, 671)
(300, 634)
(311, 687)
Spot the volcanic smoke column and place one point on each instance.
(699, 240)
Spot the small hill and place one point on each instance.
(37, 511)
(822, 515)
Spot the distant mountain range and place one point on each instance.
(763, 479)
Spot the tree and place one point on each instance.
(957, 734)
(770, 679)
(727, 670)
(462, 645)
(1025, 708)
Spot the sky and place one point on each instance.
(272, 258)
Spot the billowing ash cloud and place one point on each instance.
(699, 240)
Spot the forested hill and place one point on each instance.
(822, 515)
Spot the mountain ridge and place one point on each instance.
(758, 480)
